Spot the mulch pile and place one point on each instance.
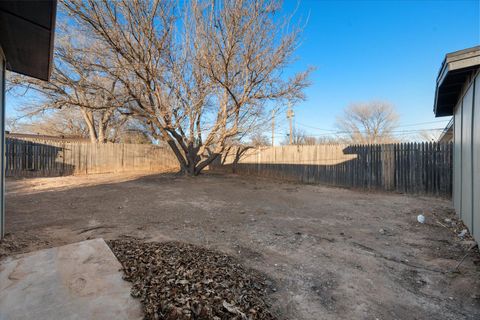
(182, 281)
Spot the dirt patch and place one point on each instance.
(329, 253)
(181, 281)
(324, 287)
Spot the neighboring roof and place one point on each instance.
(43, 138)
(27, 36)
(447, 133)
(455, 70)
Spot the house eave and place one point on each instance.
(27, 36)
(457, 68)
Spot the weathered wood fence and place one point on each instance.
(44, 159)
(417, 168)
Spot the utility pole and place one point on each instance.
(273, 127)
(290, 115)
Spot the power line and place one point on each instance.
(311, 127)
(399, 126)
(422, 123)
(350, 132)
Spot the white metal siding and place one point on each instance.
(466, 158)
(457, 159)
(2, 144)
(476, 159)
(467, 181)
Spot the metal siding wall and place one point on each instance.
(467, 182)
(457, 159)
(2, 144)
(476, 159)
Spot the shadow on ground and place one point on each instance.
(332, 253)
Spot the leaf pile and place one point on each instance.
(20, 242)
(181, 281)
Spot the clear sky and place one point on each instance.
(388, 50)
(374, 50)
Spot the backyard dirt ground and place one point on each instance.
(331, 253)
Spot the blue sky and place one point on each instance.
(378, 50)
(374, 50)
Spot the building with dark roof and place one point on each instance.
(42, 138)
(26, 47)
(458, 95)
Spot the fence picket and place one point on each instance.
(417, 168)
(35, 159)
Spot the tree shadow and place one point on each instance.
(33, 159)
(414, 168)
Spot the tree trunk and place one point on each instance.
(101, 133)
(194, 166)
(89, 120)
(238, 156)
(201, 165)
(190, 166)
(187, 170)
(190, 162)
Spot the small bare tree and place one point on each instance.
(429, 135)
(368, 123)
(300, 137)
(327, 139)
(259, 140)
(203, 79)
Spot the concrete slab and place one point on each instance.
(77, 281)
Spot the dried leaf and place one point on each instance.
(181, 281)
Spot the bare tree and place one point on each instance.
(368, 123)
(135, 131)
(11, 124)
(203, 79)
(259, 140)
(308, 140)
(70, 122)
(237, 150)
(135, 137)
(64, 122)
(76, 87)
(300, 137)
(328, 139)
(429, 135)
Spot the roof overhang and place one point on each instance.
(27, 34)
(456, 69)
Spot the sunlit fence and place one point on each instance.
(417, 168)
(53, 158)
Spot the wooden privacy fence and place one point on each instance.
(418, 168)
(44, 159)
